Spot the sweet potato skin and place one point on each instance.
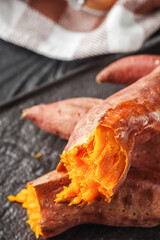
(61, 117)
(120, 110)
(133, 114)
(135, 204)
(146, 156)
(128, 69)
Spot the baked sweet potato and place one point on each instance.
(128, 69)
(60, 117)
(135, 204)
(98, 154)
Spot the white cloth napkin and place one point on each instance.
(77, 34)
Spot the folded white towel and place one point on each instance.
(71, 33)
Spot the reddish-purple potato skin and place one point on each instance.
(60, 117)
(128, 69)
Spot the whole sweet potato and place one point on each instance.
(128, 69)
(60, 117)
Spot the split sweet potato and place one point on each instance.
(60, 117)
(128, 69)
(98, 154)
(135, 204)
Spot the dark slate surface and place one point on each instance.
(20, 139)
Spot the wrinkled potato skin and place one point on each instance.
(128, 70)
(60, 117)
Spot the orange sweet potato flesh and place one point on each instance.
(60, 117)
(135, 204)
(100, 5)
(128, 69)
(98, 154)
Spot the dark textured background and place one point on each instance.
(22, 71)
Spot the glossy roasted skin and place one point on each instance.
(135, 204)
(60, 117)
(133, 115)
(128, 69)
